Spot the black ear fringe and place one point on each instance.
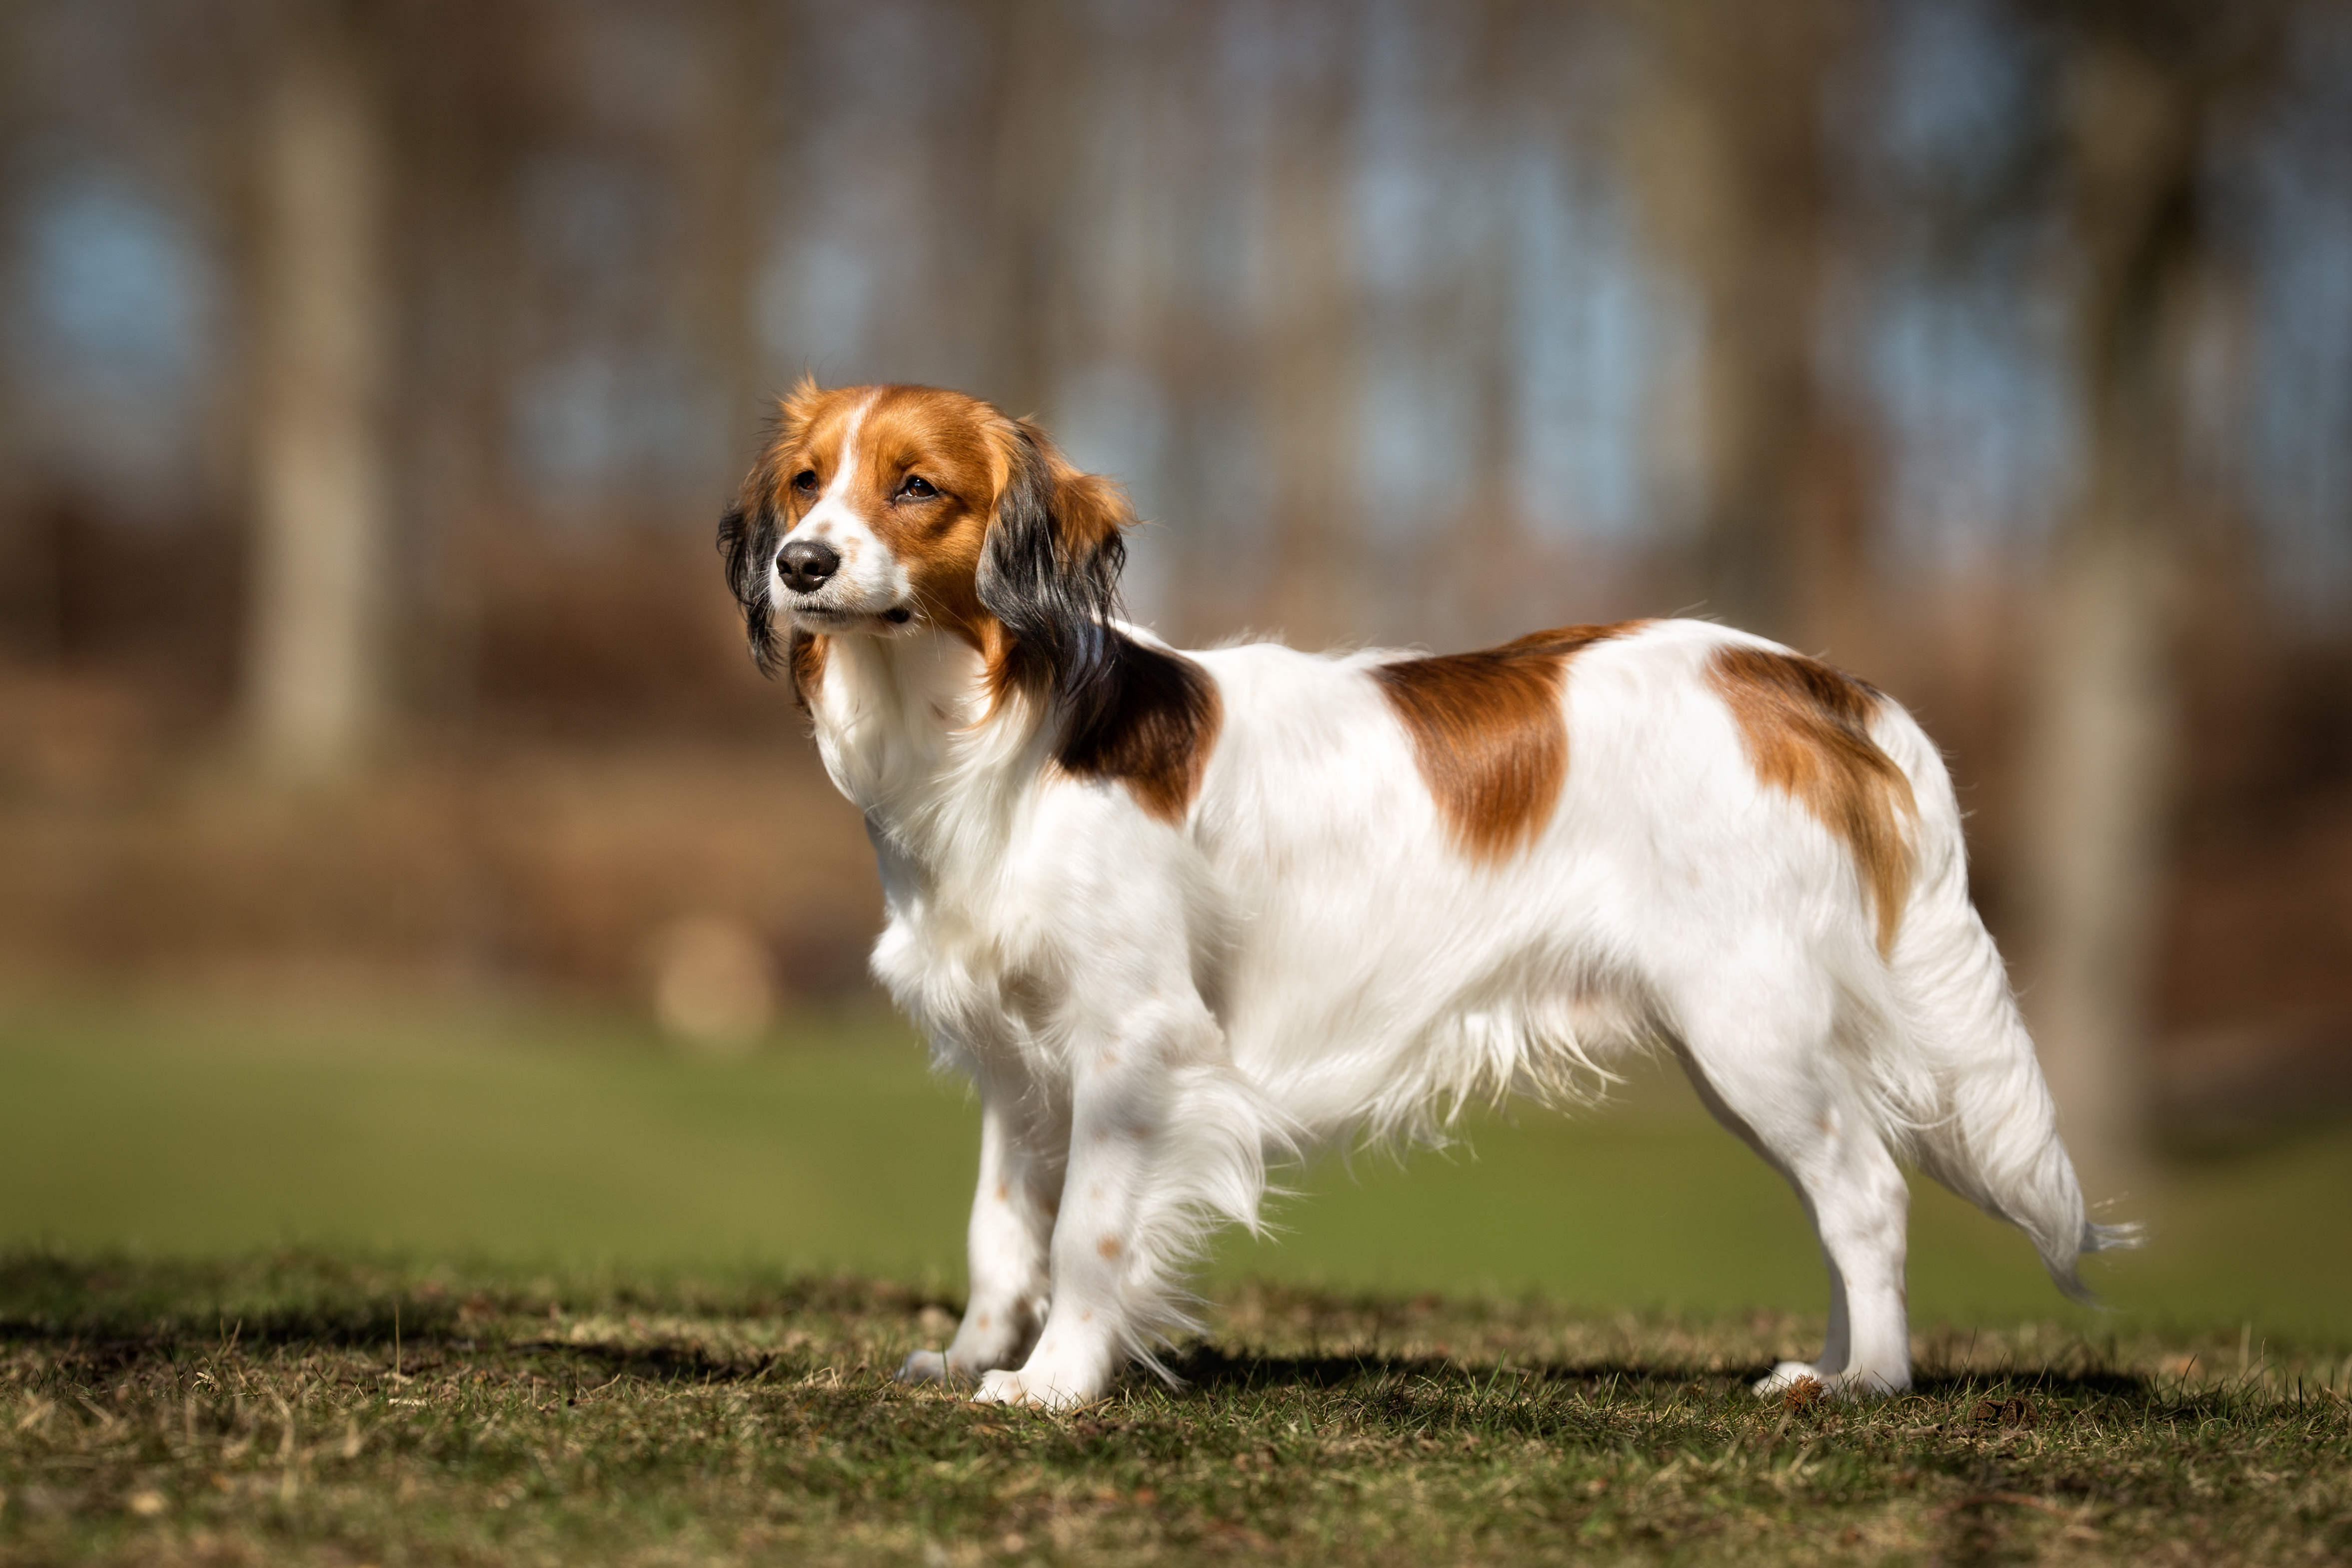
(1152, 730)
(1057, 603)
(747, 545)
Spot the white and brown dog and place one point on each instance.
(1178, 913)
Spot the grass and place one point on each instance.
(185, 1130)
(345, 1287)
(306, 1408)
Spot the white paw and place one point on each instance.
(1780, 1377)
(1863, 1385)
(1042, 1392)
(924, 1366)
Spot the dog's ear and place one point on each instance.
(1049, 568)
(747, 543)
(749, 531)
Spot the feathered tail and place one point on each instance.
(1979, 1117)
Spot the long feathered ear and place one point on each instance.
(1049, 571)
(746, 542)
(748, 532)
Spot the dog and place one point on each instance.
(1179, 914)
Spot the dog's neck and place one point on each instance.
(912, 735)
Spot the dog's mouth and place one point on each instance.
(835, 617)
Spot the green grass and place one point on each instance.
(544, 1135)
(189, 1130)
(301, 1408)
(338, 1286)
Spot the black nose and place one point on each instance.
(806, 565)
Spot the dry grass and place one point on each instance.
(313, 1410)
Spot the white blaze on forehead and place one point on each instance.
(870, 580)
(832, 508)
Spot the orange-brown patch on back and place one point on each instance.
(1488, 734)
(1806, 728)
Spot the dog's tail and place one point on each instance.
(1979, 1117)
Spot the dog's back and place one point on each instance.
(1729, 820)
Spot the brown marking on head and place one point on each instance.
(1005, 543)
(1806, 729)
(1488, 734)
(928, 467)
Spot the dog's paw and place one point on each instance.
(1782, 1377)
(925, 1366)
(1862, 1384)
(1023, 1388)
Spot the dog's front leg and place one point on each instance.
(1162, 1135)
(1006, 1247)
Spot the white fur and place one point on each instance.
(1152, 1012)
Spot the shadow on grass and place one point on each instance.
(298, 1297)
(291, 1300)
(123, 1309)
(1210, 1368)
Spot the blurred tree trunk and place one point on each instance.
(473, 99)
(2147, 87)
(1312, 591)
(315, 672)
(1039, 68)
(1483, 558)
(1726, 152)
(30, 608)
(1186, 348)
(731, 148)
(2103, 717)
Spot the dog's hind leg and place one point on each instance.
(1760, 1054)
(1008, 1243)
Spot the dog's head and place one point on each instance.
(880, 511)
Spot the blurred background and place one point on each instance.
(391, 822)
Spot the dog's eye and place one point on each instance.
(917, 489)
(805, 481)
